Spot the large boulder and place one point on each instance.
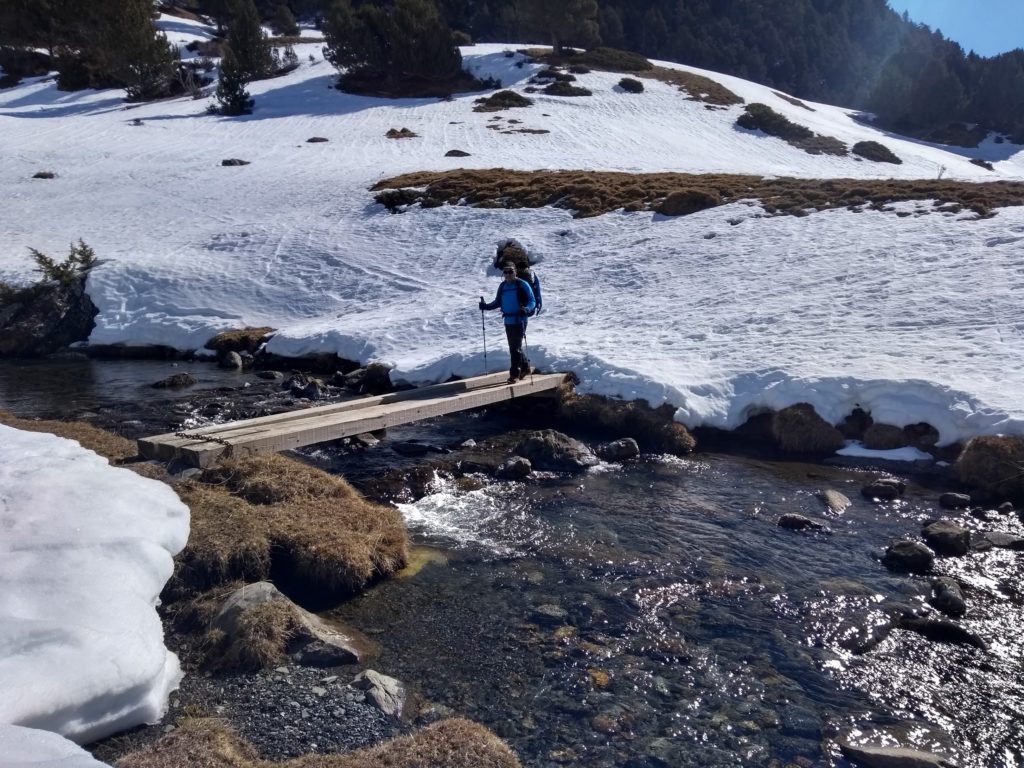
(46, 318)
(994, 464)
(552, 451)
(259, 627)
(908, 557)
(947, 538)
(799, 429)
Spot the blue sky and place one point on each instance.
(988, 27)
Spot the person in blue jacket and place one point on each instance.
(516, 301)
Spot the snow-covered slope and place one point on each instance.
(720, 313)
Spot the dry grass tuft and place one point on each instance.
(698, 87)
(452, 743)
(262, 637)
(114, 448)
(995, 464)
(196, 743)
(249, 509)
(591, 193)
(229, 540)
(799, 429)
(211, 743)
(241, 340)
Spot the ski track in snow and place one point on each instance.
(721, 313)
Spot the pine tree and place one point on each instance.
(284, 21)
(148, 63)
(563, 22)
(248, 42)
(231, 94)
(410, 42)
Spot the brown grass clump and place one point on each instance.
(995, 464)
(241, 340)
(799, 429)
(698, 87)
(400, 133)
(211, 743)
(326, 533)
(228, 540)
(795, 102)
(197, 743)
(686, 201)
(114, 448)
(591, 193)
(261, 638)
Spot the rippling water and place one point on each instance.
(652, 614)
(656, 615)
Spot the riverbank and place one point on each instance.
(413, 477)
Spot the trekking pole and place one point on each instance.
(483, 327)
(526, 354)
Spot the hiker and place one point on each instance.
(516, 301)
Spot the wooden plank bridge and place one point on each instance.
(284, 431)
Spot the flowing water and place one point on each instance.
(654, 614)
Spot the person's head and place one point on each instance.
(508, 270)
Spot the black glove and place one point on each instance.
(482, 305)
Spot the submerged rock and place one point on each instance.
(908, 556)
(553, 451)
(893, 757)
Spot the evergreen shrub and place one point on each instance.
(761, 117)
(872, 150)
(561, 88)
(631, 85)
(501, 100)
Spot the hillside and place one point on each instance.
(720, 313)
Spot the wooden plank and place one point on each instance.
(285, 431)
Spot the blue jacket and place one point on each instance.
(510, 298)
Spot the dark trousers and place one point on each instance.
(515, 334)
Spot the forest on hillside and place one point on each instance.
(855, 53)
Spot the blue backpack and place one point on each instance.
(535, 285)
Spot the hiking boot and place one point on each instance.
(524, 373)
(511, 379)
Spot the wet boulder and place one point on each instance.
(892, 757)
(907, 556)
(835, 501)
(941, 631)
(46, 318)
(619, 450)
(947, 596)
(947, 538)
(552, 451)
(799, 429)
(514, 468)
(374, 379)
(954, 501)
(795, 522)
(884, 489)
(175, 381)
